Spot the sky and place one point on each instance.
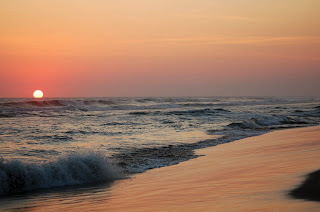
(96, 48)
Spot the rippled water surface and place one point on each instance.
(134, 134)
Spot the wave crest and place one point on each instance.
(74, 169)
(270, 122)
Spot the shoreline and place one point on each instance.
(256, 172)
(252, 174)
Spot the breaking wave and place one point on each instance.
(206, 111)
(271, 122)
(75, 169)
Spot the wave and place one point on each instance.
(75, 169)
(206, 111)
(7, 114)
(175, 99)
(44, 103)
(102, 104)
(271, 122)
(141, 113)
(7, 109)
(198, 104)
(56, 103)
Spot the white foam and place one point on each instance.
(74, 169)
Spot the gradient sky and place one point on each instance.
(86, 48)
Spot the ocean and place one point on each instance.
(62, 142)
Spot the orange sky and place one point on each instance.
(159, 48)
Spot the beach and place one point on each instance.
(159, 105)
(252, 174)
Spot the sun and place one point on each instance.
(38, 94)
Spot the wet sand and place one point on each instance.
(253, 174)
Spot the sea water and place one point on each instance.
(61, 142)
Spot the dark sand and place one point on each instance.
(309, 189)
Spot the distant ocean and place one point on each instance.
(55, 142)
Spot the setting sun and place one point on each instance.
(38, 94)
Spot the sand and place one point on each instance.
(253, 174)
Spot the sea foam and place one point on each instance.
(74, 169)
